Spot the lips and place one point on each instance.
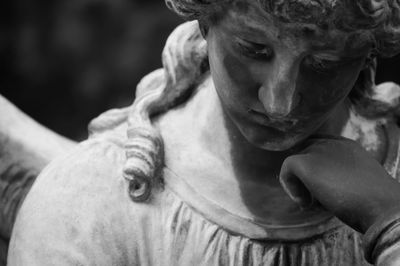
(278, 123)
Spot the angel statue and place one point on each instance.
(263, 140)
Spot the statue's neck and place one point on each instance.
(222, 137)
(204, 147)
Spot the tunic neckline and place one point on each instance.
(252, 229)
(243, 226)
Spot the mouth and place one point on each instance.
(282, 124)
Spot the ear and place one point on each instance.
(203, 28)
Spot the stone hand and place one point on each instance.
(341, 176)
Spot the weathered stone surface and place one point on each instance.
(176, 167)
(25, 149)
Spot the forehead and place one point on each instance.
(250, 18)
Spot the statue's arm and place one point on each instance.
(26, 148)
(382, 240)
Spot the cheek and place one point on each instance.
(232, 77)
(324, 92)
(239, 74)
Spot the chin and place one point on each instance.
(282, 142)
(282, 145)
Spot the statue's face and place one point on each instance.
(280, 82)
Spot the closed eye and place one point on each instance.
(325, 66)
(254, 50)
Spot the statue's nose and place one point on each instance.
(278, 91)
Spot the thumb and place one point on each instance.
(291, 170)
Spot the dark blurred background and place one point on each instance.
(65, 61)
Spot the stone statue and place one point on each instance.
(261, 141)
(25, 149)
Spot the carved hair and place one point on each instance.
(379, 18)
(185, 62)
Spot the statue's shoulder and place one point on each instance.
(76, 208)
(84, 174)
(87, 173)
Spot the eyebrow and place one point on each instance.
(248, 26)
(254, 31)
(337, 57)
(346, 52)
(249, 29)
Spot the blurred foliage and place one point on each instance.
(65, 62)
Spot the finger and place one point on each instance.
(319, 140)
(291, 170)
(322, 138)
(303, 146)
